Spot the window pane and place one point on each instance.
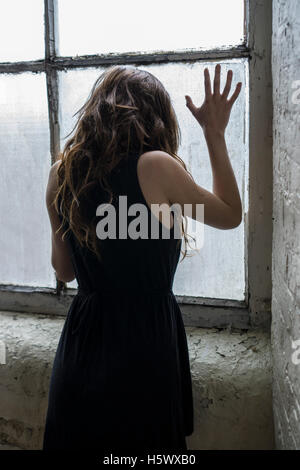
(22, 30)
(94, 27)
(25, 242)
(217, 270)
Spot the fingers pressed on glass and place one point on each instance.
(207, 83)
(235, 93)
(217, 79)
(228, 84)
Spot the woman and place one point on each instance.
(121, 375)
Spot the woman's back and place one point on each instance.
(131, 256)
(123, 353)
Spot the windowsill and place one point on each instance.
(196, 311)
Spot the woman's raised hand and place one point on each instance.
(214, 113)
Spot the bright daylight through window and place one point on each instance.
(93, 27)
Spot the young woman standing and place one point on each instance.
(121, 375)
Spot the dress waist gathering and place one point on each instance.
(130, 291)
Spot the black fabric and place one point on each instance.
(121, 374)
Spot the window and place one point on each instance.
(25, 164)
(178, 25)
(198, 275)
(22, 30)
(42, 85)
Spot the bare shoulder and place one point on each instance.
(52, 182)
(158, 162)
(53, 173)
(54, 168)
(156, 156)
(161, 176)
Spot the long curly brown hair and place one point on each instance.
(128, 111)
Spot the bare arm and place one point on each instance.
(222, 207)
(60, 258)
(213, 116)
(224, 183)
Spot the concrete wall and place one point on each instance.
(286, 223)
(232, 384)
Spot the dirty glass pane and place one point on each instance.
(218, 269)
(94, 27)
(25, 242)
(22, 30)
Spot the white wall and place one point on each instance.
(286, 223)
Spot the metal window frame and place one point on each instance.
(197, 311)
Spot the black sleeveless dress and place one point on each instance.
(121, 374)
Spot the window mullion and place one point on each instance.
(65, 63)
(52, 77)
(259, 21)
(52, 89)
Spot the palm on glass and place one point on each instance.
(215, 111)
